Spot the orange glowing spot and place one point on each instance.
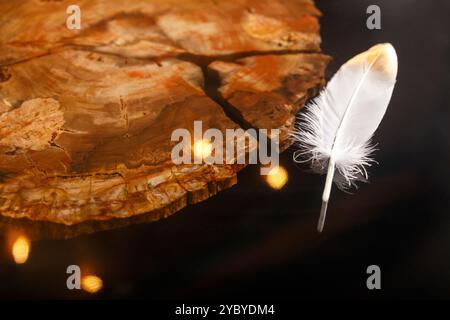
(277, 178)
(91, 283)
(202, 149)
(136, 74)
(21, 249)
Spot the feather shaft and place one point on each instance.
(326, 194)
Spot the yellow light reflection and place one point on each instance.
(202, 149)
(21, 249)
(277, 178)
(91, 283)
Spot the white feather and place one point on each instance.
(336, 129)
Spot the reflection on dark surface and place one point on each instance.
(37, 230)
(255, 241)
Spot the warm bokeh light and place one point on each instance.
(277, 178)
(21, 249)
(202, 149)
(91, 283)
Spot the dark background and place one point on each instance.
(253, 242)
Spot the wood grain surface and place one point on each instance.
(86, 115)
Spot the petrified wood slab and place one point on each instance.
(86, 115)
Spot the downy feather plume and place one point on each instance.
(334, 134)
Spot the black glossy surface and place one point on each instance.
(251, 241)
